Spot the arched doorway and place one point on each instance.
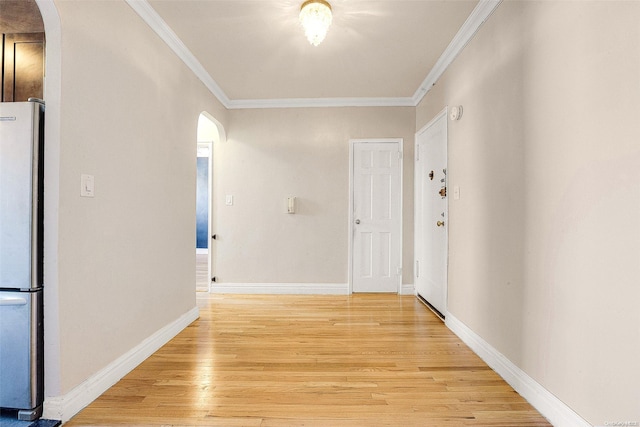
(210, 133)
(22, 51)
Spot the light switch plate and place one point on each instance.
(86, 186)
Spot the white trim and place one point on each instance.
(238, 104)
(221, 139)
(556, 411)
(281, 288)
(352, 142)
(478, 16)
(350, 224)
(66, 406)
(210, 225)
(437, 117)
(407, 289)
(157, 24)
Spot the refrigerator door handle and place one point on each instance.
(12, 301)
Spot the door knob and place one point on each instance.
(357, 221)
(440, 223)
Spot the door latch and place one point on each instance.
(443, 192)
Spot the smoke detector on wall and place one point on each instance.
(455, 113)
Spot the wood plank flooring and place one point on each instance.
(360, 360)
(202, 272)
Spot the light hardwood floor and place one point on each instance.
(202, 272)
(360, 360)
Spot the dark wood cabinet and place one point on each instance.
(22, 66)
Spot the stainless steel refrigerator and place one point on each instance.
(21, 263)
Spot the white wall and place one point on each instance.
(545, 239)
(125, 259)
(272, 154)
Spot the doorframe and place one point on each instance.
(444, 113)
(209, 146)
(220, 137)
(352, 142)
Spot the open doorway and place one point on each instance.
(202, 215)
(22, 51)
(210, 132)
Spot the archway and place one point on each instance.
(210, 133)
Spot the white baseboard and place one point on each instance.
(281, 288)
(407, 289)
(66, 406)
(292, 288)
(556, 411)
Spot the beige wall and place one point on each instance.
(275, 153)
(545, 239)
(125, 259)
(126, 263)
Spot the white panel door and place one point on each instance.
(431, 214)
(377, 223)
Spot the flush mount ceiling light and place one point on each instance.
(315, 17)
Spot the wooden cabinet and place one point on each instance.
(23, 66)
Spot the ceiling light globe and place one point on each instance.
(315, 17)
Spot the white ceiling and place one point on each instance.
(256, 51)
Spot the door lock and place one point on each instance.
(440, 223)
(443, 192)
(357, 221)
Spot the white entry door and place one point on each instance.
(376, 221)
(431, 213)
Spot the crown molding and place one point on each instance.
(157, 24)
(478, 16)
(238, 104)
